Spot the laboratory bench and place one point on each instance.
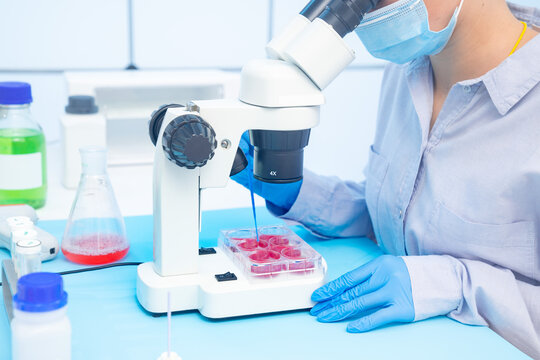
(108, 322)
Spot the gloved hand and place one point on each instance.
(280, 196)
(377, 293)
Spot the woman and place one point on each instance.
(452, 190)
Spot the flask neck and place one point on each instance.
(94, 161)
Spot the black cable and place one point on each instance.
(99, 267)
(68, 272)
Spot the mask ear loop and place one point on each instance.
(454, 16)
(458, 10)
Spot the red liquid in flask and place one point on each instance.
(96, 249)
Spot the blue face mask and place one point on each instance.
(400, 32)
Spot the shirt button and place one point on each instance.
(400, 214)
(467, 88)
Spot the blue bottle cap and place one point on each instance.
(15, 93)
(40, 292)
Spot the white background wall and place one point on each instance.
(40, 39)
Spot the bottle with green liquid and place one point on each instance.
(23, 170)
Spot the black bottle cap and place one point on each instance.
(81, 104)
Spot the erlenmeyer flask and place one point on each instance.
(95, 231)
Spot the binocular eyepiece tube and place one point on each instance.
(343, 15)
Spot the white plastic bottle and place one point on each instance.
(82, 125)
(40, 328)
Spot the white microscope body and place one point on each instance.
(280, 94)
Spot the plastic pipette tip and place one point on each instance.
(169, 356)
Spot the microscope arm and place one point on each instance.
(178, 182)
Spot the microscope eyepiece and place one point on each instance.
(315, 7)
(345, 15)
(278, 156)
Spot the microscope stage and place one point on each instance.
(230, 297)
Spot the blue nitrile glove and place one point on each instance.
(376, 294)
(279, 197)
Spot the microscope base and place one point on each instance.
(215, 299)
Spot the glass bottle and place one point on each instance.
(23, 179)
(95, 231)
(28, 255)
(16, 223)
(17, 236)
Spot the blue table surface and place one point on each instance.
(108, 322)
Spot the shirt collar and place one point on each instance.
(528, 14)
(511, 80)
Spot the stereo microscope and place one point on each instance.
(197, 148)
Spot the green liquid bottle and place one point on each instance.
(23, 166)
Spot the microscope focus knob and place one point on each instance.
(189, 141)
(154, 125)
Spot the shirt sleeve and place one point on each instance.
(476, 293)
(329, 207)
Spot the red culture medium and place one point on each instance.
(96, 249)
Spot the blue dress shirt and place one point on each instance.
(461, 203)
